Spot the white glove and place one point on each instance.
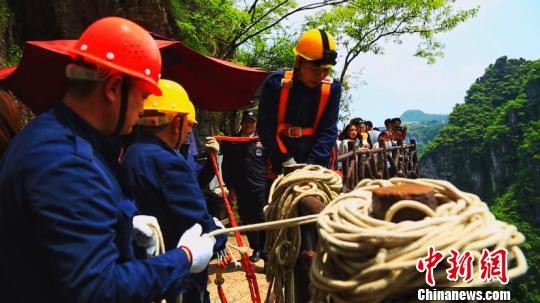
(289, 162)
(218, 223)
(212, 144)
(200, 247)
(143, 234)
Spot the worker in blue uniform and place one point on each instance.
(298, 109)
(161, 179)
(244, 173)
(65, 224)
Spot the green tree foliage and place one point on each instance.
(205, 25)
(270, 52)
(507, 208)
(495, 136)
(502, 81)
(10, 53)
(362, 26)
(221, 27)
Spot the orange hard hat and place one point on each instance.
(121, 45)
(318, 46)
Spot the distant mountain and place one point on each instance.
(423, 133)
(422, 127)
(416, 115)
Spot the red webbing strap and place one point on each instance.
(286, 84)
(250, 276)
(270, 174)
(323, 100)
(292, 131)
(237, 139)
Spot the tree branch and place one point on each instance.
(252, 10)
(237, 40)
(364, 47)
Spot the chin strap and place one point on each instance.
(126, 86)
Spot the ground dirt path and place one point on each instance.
(236, 287)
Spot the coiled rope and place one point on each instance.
(283, 245)
(362, 259)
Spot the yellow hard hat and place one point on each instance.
(161, 110)
(191, 116)
(317, 46)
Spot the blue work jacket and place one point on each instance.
(162, 182)
(65, 224)
(301, 111)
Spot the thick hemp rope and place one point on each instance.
(158, 238)
(363, 259)
(283, 245)
(160, 247)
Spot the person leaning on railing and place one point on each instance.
(349, 139)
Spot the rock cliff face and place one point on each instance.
(24, 20)
(67, 19)
(479, 149)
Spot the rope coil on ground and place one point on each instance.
(283, 245)
(363, 259)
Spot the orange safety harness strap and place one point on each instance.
(286, 130)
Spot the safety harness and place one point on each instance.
(287, 130)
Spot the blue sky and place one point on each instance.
(389, 84)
